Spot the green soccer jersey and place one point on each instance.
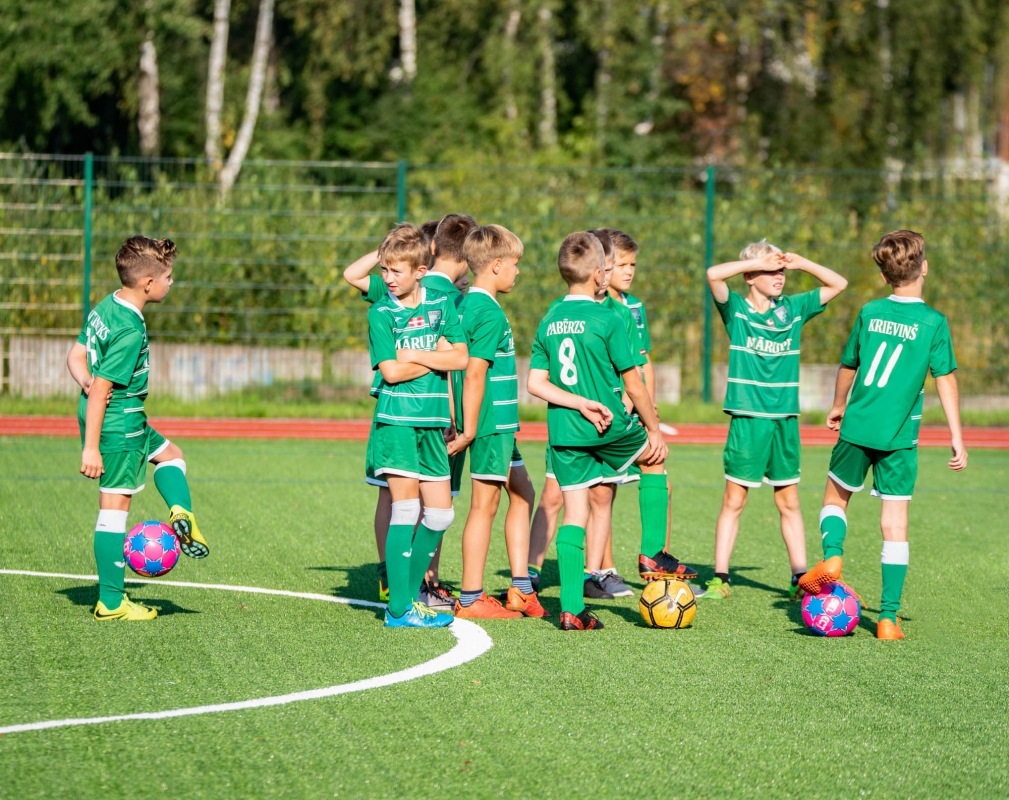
(631, 328)
(895, 342)
(584, 347)
(376, 291)
(763, 377)
(637, 309)
(441, 282)
(489, 336)
(422, 402)
(116, 340)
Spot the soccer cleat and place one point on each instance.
(616, 585)
(128, 610)
(527, 604)
(485, 608)
(663, 565)
(580, 622)
(437, 598)
(888, 630)
(418, 616)
(716, 589)
(593, 588)
(383, 583)
(190, 539)
(825, 572)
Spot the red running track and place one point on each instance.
(357, 430)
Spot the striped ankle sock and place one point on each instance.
(469, 598)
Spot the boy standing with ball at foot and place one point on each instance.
(894, 344)
(110, 363)
(762, 395)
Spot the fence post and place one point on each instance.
(89, 168)
(709, 254)
(401, 192)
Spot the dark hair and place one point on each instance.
(900, 255)
(450, 235)
(604, 239)
(621, 241)
(142, 257)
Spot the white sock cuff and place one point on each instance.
(832, 511)
(438, 519)
(175, 462)
(110, 521)
(895, 553)
(405, 512)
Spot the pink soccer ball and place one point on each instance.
(151, 549)
(832, 612)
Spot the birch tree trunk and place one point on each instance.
(149, 117)
(257, 79)
(215, 79)
(604, 76)
(511, 31)
(548, 80)
(408, 39)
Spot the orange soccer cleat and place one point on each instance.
(528, 604)
(825, 572)
(889, 631)
(485, 608)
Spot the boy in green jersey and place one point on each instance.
(578, 358)
(894, 344)
(762, 394)
(404, 332)
(489, 420)
(110, 363)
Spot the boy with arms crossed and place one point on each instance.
(895, 342)
(404, 331)
(579, 355)
(762, 395)
(110, 363)
(489, 422)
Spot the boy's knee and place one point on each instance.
(438, 519)
(735, 498)
(787, 501)
(405, 512)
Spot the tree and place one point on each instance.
(215, 79)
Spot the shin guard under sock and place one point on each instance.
(110, 535)
(653, 501)
(571, 563)
(170, 480)
(833, 529)
(894, 559)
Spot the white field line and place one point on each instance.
(472, 642)
(669, 430)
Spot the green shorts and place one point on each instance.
(491, 457)
(126, 471)
(456, 467)
(893, 471)
(762, 451)
(410, 452)
(605, 473)
(582, 467)
(369, 462)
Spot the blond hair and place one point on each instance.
(488, 242)
(405, 242)
(580, 255)
(142, 257)
(900, 255)
(758, 250)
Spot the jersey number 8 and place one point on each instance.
(566, 355)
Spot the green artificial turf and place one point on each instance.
(744, 703)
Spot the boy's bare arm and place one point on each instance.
(949, 397)
(720, 273)
(358, 274)
(473, 388)
(595, 412)
(833, 284)
(657, 448)
(649, 375)
(94, 416)
(437, 360)
(400, 371)
(77, 363)
(845, 377)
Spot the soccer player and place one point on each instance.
(110, 363)
(762, 395)
(489, 422)
(894, 343)
(404, 331)
(579, 355)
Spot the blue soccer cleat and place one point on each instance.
(418, 616)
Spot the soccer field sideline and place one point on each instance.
(358, 429)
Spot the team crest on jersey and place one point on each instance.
(781, 312)
(636, 311)
(433, 318)
(415, 322)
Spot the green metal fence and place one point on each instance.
(262, 265)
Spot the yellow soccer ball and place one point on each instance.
(667, 603)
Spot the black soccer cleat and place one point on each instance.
(663, 565)
(594, 589)
(582, 622)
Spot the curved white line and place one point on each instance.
(472, 642)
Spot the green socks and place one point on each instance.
(653, 501)
(425, 543)
(571, 562)
(833, 528)
(110, 535)
(894, 559)
(170, 478)
(398, 547)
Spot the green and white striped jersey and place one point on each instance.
(637, 309)
(763, 375)
(894, 343)
(489, 336)
(115, 336)
(422, 402)
(440, 282)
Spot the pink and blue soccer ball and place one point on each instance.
(151, 549)
(832, 612)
